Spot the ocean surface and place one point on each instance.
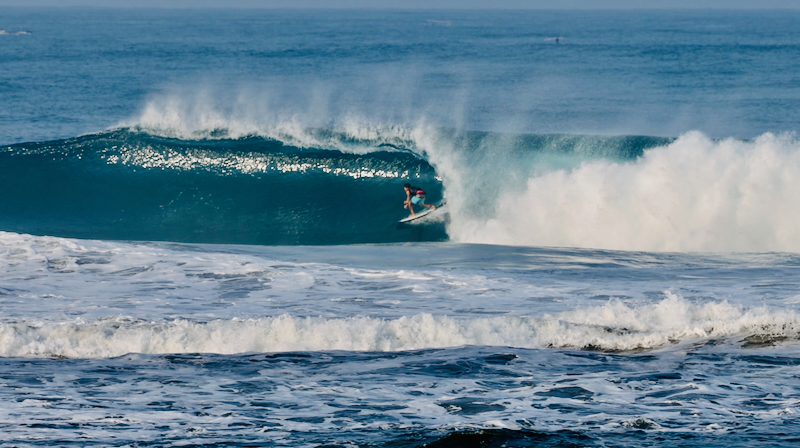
(199, 237)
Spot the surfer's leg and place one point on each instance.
(422, 203)
(416, 200)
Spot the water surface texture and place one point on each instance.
(199, 239)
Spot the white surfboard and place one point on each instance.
(425, 212)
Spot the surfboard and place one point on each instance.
(425, 212)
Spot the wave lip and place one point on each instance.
(614, 327)
(199, 118)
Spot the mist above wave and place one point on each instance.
(199, 117)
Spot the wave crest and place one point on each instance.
(198, 117)
(615, 326)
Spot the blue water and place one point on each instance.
(200, 246)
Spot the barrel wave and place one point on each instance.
(138, 184)
(329, 185)
(130, 185)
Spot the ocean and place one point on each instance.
(199, 237)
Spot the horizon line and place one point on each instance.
(413, 8)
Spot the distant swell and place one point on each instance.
(611, 327)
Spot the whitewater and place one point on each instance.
(375, 343)
(262, 305)
(199, 237)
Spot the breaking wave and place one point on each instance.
(615, 326)
(198, 174)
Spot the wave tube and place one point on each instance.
(130, 185)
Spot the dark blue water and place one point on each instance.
(199, 238)
(726, 73)
(245, 400)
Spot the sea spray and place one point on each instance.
(695, 194)
(201, 116)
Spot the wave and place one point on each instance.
(126, 184)
(195, 174)
(690, 193)
(253, 189)
(14, 33)
(615, 326)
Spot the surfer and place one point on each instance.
(415, 196)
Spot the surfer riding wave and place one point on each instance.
(415, 196)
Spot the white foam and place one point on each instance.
(695, 194)
(95, 279)
(613, 326)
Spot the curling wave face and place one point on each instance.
(125, 184)
(281, 184)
